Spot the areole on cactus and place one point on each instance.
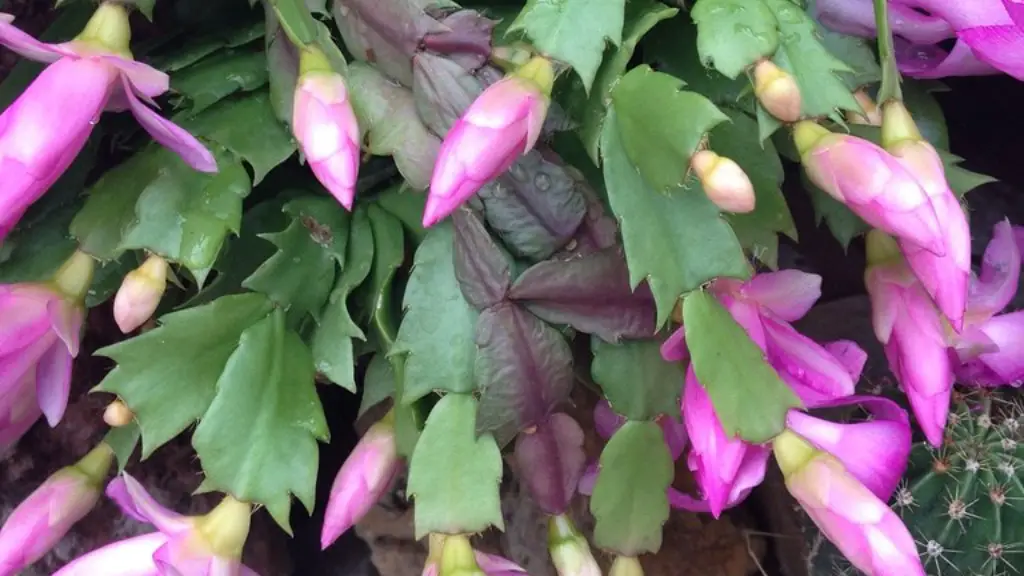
(473, 228)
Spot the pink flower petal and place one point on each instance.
(136, 502)
(813, 373)
(16, 40)
(145, 79)
(131, 557)
(1006, 331)
(53, 381)
(606, 421)
(673, 349)
(169, 134)
(1015, 9)
(1000, 271)
(927, 61)
(1000, 46)
(850, 355)
(857, 18)
(788, 294)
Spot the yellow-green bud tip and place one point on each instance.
(897, 124)
(225, 528)
(881, 248)
(792, 452)
(96, 464)
(626, 566)
(74, 276)
(806, 134)
(458, 559)
(108, 30)
(313, 60)
(540, 72)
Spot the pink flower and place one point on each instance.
(42, 520)
(40, 325)
(88, 75)
(503, 123)
(991, 348)
(854, 518)
(326, 127)
(874, 451)
(857, 18)
(364, 477)
(871, 183)
(908, 325)
(945, 276)
(209, 545)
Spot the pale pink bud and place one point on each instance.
(364, 477)
(872, 113)
(866, 531)
(570, 552)
(117, 414)
(140, 294)
(326, 127)
(871, 182)
(777, 91)
(724, 182)
(503, 123)
(39, 523)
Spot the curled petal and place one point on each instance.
(145, 79)
(813, 373)
(1006, 332)
(874, 451)
(53, 381)
(857, 18)
(131, 557)
(673, 349)
(136, 502)
(13, 38)
(169, 134)
(850, 355)
(930, 61)
(496, 565)
(999, 46)
(788, 294)
(993, 289)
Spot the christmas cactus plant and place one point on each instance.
(462, 213)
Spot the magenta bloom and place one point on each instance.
(39, 335)
(906, 322)
(328, 133)
(208, 545)
(85, 78)
(503, 123)
(871, 183)
(866, 531)
(364, 477)
(991, 347)
(39, 523)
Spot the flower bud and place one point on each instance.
(777, 91)
(458, 558)
(570, 551)
(724, 182)
(117, 414)
(326, 127)
(364, 477)
(872, 115)
(140, 294)
(626, 566)
(42, 520)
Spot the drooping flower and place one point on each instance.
(990, 349)
(89, 74)
(570, 552)
(209, 545)
(870, 182)
(724, 182)
(501, 125)
(855, 519)
(140, 292)
(945, 277)
(42, 519)
(40, 326)
(364, 477)
(325, 125)
(777, 91)
(907, 323)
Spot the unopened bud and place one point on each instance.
(724, 182)
(117, 414)
(458, 558)
(626, 566)
(140, 294)
(570, 552)
(777, 91)
(872, 115)
(898, 125)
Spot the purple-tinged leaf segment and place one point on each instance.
(589, 292)
(550, 461)
(523, 368)
(481, 266)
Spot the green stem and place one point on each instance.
(890, 89)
